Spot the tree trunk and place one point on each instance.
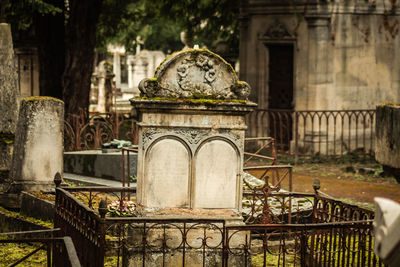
(79, 53)
(51, 51)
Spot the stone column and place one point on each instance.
(104, 76)
(8, 98)
(318, 62)
(38, 151)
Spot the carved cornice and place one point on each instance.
(277, 31)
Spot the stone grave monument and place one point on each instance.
(38, 150)
(191, 133)
(9, 94)
(191, 144)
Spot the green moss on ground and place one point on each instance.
(17, 215)
(11, 252)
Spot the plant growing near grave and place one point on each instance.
(122, 209)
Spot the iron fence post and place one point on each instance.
(296, 137)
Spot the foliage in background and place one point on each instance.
(66, 34)
(209, 23)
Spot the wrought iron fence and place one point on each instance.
(323, 133)
(60, 251)
(304, 230)
(328, 244)
(83, 132)
(302, 133)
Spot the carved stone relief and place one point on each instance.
(195, 73)
(276, 31)
(192, 137)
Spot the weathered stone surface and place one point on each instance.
(191, 135)
(168, 166)
(387, 231)
(38, 152)
(36, 207)
(8, 96)
(210, 141)
(217, 173)
(195, 73)
(97, 164)
(387, 148)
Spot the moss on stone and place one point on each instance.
(195, 100)
(389, 104)
(39, 98)
(7, 138)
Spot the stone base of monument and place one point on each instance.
(17, 187)
(10, 201)
(173, 236)
(11, 195)
(95, 163)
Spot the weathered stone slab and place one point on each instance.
(38, 151)
(217, 174)
(36, 207)
(8, 96)
(387, 145)
(94, 163)
(168, 172)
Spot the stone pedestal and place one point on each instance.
(8, 98)
(190, 155)
(38, 150)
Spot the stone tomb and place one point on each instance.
(191, 133)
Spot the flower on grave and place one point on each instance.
(122, 208)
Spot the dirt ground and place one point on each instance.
(351, 186)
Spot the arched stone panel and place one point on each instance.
(167, 175)
(216, 183)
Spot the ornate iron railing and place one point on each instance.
(322, 133)
(83, 132)
(83, 225)
(323, 232)
(60, 251)
(328, 244)
(302, 133)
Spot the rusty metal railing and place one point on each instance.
(322, 134)
(83, 132)
(60, 251)
(328, 244)
(301, 133)
(327, 232)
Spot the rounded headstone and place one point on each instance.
(195, 73)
